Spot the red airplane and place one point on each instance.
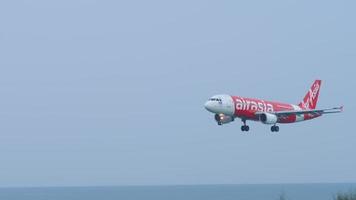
(227, 108)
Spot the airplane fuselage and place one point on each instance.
(247, 107)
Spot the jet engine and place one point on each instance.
(268, 118)
(223, 119)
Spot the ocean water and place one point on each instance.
(188, 192)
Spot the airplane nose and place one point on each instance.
(207, 105)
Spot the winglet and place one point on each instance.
(339, 109)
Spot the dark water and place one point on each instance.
(204, 192)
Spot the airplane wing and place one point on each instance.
(313, 111)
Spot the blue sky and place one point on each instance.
(112, 92)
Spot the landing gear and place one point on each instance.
(245, 127)
(274, 128)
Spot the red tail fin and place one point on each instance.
(311, 98)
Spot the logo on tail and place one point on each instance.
(311, 98)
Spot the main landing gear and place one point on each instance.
(274, 128)
(245, 127)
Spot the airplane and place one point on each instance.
(226, 108)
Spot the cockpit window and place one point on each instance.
(215, 99)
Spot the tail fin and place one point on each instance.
(311, 98)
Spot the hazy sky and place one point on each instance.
(112, 92)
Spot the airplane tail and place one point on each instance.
(311, 98)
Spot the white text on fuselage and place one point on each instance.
(242, 104)
(312, 94)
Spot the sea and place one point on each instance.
(182, 192)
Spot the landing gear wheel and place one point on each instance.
(219, 123)
(245, 128)
(274, 128)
